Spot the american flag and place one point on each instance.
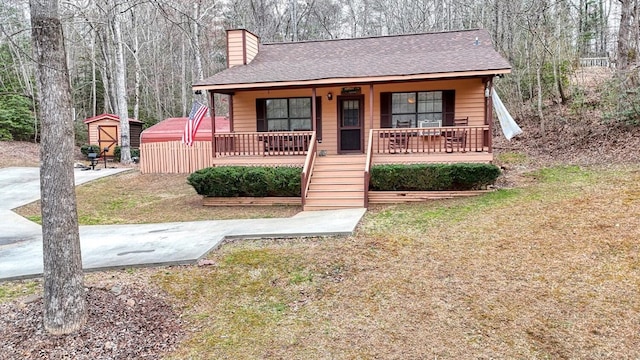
(193, 122)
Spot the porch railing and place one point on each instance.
(445, 139)
(280, 143)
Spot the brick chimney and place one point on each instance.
(242, 47)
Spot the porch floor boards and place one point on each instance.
(267, 160)
(442, 158)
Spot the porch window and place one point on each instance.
(409, 108)
(288, 114)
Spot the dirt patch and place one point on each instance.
(127, 320)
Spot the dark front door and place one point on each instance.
(350, 116)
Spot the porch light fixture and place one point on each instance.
(329, 96)
(487, 92)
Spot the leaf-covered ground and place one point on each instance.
(550, 270)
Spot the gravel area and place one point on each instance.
(125, 322)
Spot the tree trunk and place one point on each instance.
(540, 112)
(121, 92)
(94, 90)
(624, 31)
(107, 70)
(183, 76)
(64, 299)
(137, 77)
(196, 42)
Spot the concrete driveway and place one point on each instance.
(117, 246)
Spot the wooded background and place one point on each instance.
(143, 55)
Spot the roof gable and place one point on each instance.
(106, 116)
(400, 55)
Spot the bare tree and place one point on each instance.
(121, 88)
(64, 299)
(625, 53)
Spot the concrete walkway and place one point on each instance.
(117, 246)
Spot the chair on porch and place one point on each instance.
(457, 137)
(399, 140)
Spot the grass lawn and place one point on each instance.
(132, 198)
(547, 270)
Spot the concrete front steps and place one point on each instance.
(337, 182)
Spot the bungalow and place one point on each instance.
(336, 107)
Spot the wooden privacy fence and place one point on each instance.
(174, 157)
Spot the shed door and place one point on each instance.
(350, 119)
(108, 137)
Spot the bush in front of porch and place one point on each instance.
(432, 177)
(247, 181)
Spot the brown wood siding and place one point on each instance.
(469, 97)
(251, 43)
(469, 101)
(135, 129)
(93, 129)
(244, 112)
(235, 51)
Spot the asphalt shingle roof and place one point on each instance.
(430, 53)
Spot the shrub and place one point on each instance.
(116, 153)
(432, 177)
(253, 181)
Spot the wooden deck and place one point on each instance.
(250, 201)
(329, 182)
(397, 197)
(266, 160)
(429, 158)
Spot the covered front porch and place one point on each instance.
(331, 181)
